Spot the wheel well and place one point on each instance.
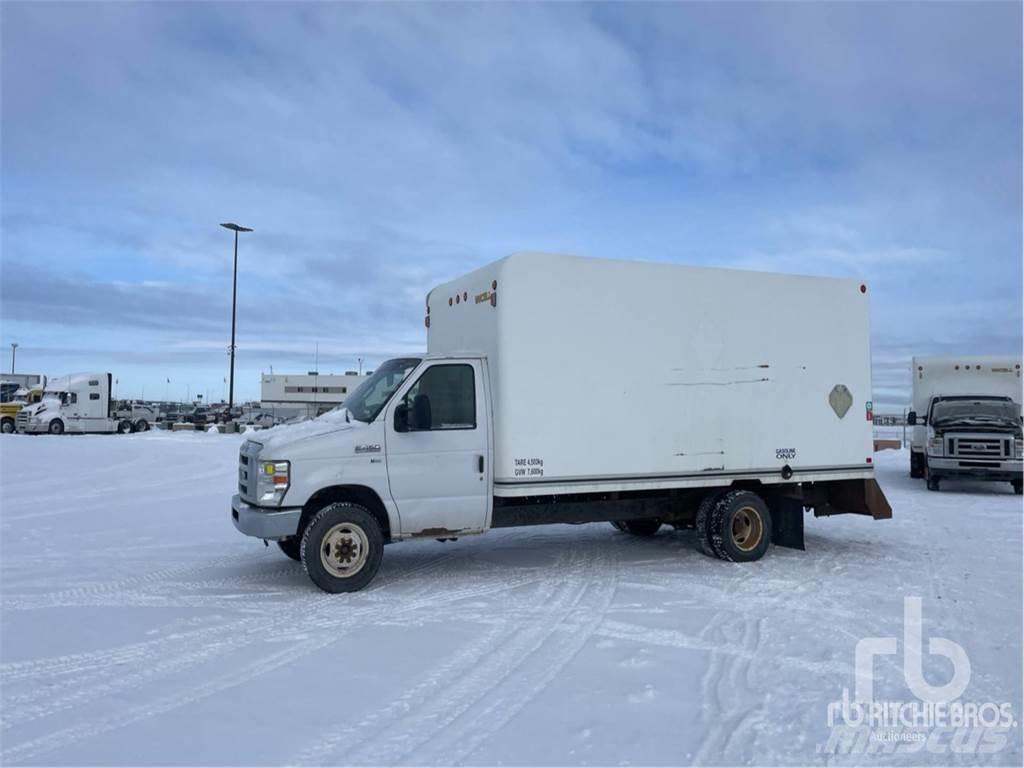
(356, 494)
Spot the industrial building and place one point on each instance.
(305, 394)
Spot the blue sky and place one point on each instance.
(378, 150)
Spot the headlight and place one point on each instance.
(272, 481)
(935, 446)
(1018, 448)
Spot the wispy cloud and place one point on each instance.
(379, 149)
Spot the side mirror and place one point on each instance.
(401, 418)
(912, 419)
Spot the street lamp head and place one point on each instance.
(235, 227)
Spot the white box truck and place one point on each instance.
(77, 403)
(558, 389)
(966, 419)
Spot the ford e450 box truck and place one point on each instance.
(558, 389)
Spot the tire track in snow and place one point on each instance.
(334, 630)
(492, 684)
(91, 670)
(525, 682)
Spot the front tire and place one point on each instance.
(1018, 486)
(56, 427)
(932, 481)
(292, 546)
(741, 527)
(342, 547)
(916, 465)
(7, 426)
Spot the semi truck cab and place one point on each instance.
(76, 403)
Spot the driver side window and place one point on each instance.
(444, 397)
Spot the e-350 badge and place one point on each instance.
(367, 449)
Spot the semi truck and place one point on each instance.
(966, 419)
(77, 403)
(558, 389)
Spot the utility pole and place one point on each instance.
(234, 302)
(14, 349)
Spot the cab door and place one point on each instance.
(437, 450)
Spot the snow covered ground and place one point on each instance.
(138, 627)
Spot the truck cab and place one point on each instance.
(972, 436)
(411, 445)
(78, 403)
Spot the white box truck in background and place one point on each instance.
(79, 403)
(557, 389)
(966, 419)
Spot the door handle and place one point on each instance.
(480, 464)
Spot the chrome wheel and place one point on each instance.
(344, 549)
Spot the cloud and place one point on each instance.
(380, 149)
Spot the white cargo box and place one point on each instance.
(613, 375)
(964, 375)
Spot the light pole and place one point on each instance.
(234, 300)
(14, 348)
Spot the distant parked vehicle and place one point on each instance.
(264, 420)
(9, 409)
(966, 420)
(76, 403)
(140, 415)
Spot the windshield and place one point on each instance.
(977, 411)
(373, 394)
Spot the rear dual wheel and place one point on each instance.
(737, 526)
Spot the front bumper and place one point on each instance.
(979, 470)
(28, 428)
(264, 522)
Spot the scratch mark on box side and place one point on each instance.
(714, 383)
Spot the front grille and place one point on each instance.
(980, 447)
(246, 463)
(21, 421)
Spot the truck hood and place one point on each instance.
(276, 439)
(46, 404)
(976, 425)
